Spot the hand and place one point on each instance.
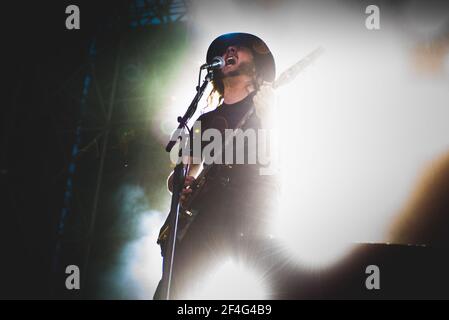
(186, 191)
(265, 102)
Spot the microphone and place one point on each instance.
(217, 63)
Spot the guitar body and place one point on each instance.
(188, 210)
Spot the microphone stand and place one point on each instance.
(179, 175)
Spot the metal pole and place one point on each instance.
(65, 211)
(102, 160)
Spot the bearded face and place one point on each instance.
(239, 61)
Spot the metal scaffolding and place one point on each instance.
(156, 12)
(141, 13)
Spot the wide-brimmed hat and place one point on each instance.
(263, 58)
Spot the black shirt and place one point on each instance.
(235, 191)
(228, 116)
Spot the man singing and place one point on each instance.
(232, 209)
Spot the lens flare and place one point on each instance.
(232, 280)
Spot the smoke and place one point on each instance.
(137, 268)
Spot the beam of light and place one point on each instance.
(231, 280)
(355, 131)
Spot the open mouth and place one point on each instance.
(230, 60)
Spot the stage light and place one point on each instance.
(231, 280)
